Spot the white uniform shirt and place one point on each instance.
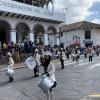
(37, 58)
(51, 70)
(10, 62)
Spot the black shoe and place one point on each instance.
(36, 75)
(11, 79)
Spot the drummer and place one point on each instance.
(37, 59)
(46, 61)
(10, 64)
(51, 72)
(10, 60)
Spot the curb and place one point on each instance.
(4, 69)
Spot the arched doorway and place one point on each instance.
(4, 32)
(39, 34)
(22, 31)
(52, 35)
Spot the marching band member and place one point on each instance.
(91, 52)
(37, 59)
(62, 58)
(10, 64)
(51, 71)
(46, 60)
(10, 59)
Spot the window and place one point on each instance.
(87, 34)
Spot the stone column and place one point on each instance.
(57, 40)
(13, 35)
(46, 42)
(31, 36)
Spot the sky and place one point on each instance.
(79, 10)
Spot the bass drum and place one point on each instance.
(46, 83)
(30, 63)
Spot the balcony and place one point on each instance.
(38, 3)
(13, 7)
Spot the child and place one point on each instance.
(10, 65)
(51, 71)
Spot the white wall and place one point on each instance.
(95, 33)
(68, 37)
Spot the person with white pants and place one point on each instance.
(51, 71)
(10, 66)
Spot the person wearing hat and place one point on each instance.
(10, 64)
(37, 59)
(10, 59)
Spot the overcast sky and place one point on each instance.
(79, 10)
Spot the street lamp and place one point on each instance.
(61, 32)
(64, 9)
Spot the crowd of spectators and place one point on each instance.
(28, 47)
(20, 47)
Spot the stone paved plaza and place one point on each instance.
(76, 82)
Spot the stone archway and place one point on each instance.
(52, 32)
(22, 31)
(4, 32)
(39, 34)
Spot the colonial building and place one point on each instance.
(31, 20)
(81, 33)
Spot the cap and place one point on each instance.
(9, 54)
(36, 50)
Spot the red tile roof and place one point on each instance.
(79, 25)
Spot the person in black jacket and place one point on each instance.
(46, 62)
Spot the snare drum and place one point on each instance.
(10, 72)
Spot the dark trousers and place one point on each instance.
(97, 53)
(90, 58)
(45, 69)
(36, 70)
(85, 55)
(67, 56)
(62, 64)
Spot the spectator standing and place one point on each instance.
(0, 47)
(61, 57)
(91, 54)
(4, 48)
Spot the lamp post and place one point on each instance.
(64, 9)
(60, 33)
